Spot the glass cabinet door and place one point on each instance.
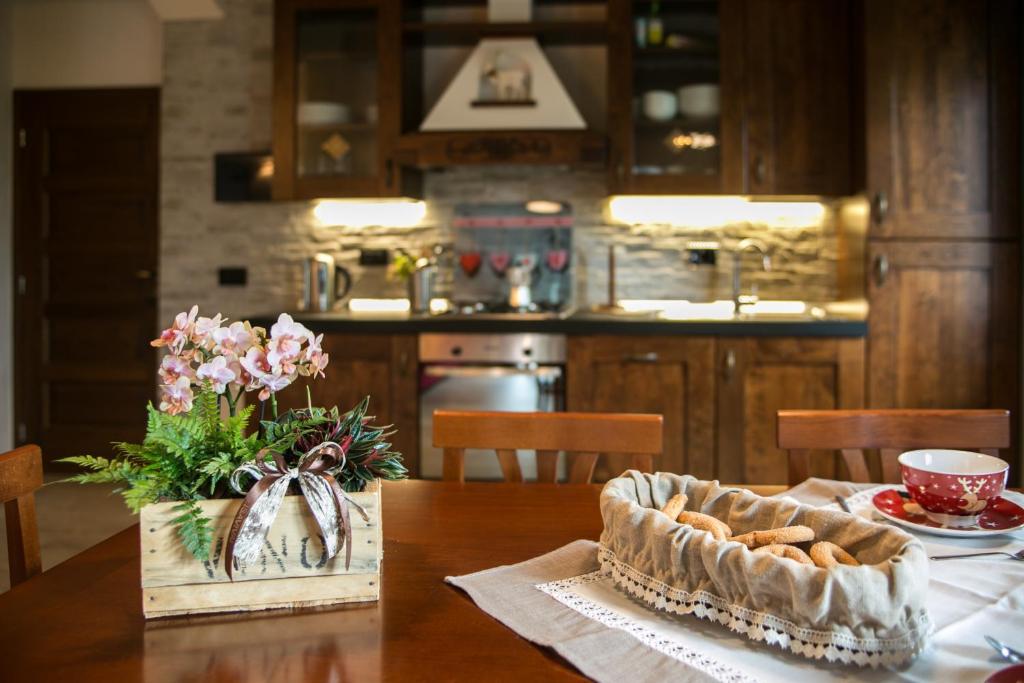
(336, 94)
(675, 104)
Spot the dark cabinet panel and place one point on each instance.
(797, 97)
(761, 376)
(944, 325)
(670, 376)
(943, 115)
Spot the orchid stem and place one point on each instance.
(273, 403)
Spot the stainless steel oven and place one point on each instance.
(507, 372)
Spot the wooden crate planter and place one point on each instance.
(292, 571)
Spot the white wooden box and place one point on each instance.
(292, 570)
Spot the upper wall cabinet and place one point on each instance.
(943, 145)
(674, 97)
(797, 84)
(334, 75)
(731, 96)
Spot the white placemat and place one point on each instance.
(967, 600)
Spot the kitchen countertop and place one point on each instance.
(848, 321)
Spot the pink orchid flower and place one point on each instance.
(177, 335)
(235, 339)
(202, 331)
(217, 372)
(173, 367)
(286, 339)
(176, 397)
(316, 358)
(265, 376)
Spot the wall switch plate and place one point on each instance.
(373, 257)
(232, 276)
(702, 253)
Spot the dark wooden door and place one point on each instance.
(797, 97)
(944, 325)
(758, 377)
(382, 367)
(669, 376)
(85, 245)
(943, 118)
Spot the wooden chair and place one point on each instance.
(21, 473)
(583, 436)
(889, 431)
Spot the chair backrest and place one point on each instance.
(21, 473)
(583, 436)
(889, 431)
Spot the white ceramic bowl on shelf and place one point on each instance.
(698, 101)
(659, 105)
(322, 113)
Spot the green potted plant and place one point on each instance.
(300, 475)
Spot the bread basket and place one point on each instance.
(868, 615)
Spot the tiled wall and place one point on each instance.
(216, 98)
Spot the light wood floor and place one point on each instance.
(71, 518)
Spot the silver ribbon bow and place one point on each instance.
(327, 501)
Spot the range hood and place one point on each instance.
(505, 84)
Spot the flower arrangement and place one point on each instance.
(193, 451)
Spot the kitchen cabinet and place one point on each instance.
(943, 325)
(653, 147)
(383, 367)
(943, 160)
(335, 84)
(759, 376)
(670, 376)
(943, 118)
(782, 125)
(796, 97)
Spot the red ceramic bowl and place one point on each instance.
(953, 487)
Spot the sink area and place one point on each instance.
(723, 310)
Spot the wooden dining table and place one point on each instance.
(82, 620)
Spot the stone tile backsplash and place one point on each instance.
(216, 97)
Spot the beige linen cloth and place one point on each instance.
(871, 614)
(611, 637)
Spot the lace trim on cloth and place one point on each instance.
(564, 593)
(759, 626)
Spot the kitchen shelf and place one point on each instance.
(470, 32)
(332, 127)
(661, 52)
(447, 148)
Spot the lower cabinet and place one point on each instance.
(380, 366)
(718, 396)
(944, 325)
(757, 377)
(673, 376)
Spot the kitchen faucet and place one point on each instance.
(745, 245)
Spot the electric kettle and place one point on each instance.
(324, 283)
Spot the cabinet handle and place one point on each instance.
(759, 169)
(729, 366)
(389, 172)
(881, 267)
(879, 208)
(649, 357)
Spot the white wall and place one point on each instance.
(6, 322)
(84, 43)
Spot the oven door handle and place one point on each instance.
(540, 372)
